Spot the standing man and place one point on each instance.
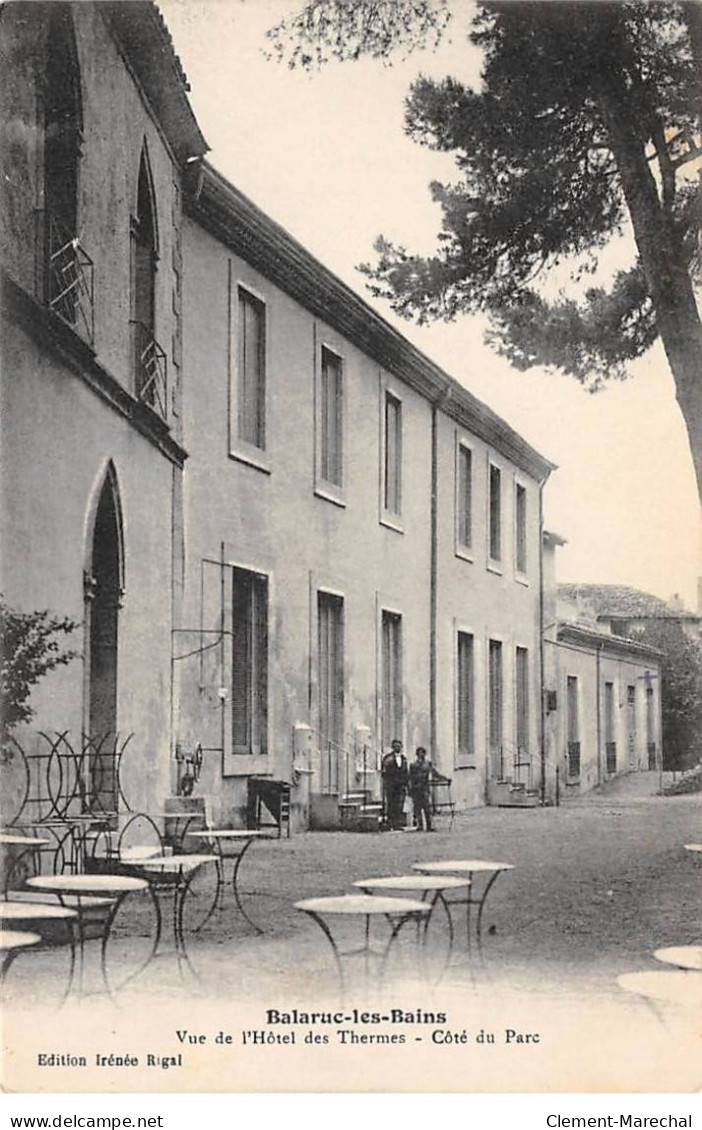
(420, 790)
(395, 781)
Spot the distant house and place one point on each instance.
(602, 688)
(625, 611)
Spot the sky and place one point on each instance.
(324, 154)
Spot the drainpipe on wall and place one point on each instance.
(598, 655)
(542, 713)
(433, 569)
(433, 566)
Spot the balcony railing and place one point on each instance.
(514, 764)
(150, 370)
(67, 276)
(611, 756)
(573, 759)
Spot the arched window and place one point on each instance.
(149, 358)
(68, 274)
(103, 591)
(62, 120)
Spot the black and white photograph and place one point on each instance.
(350, 546)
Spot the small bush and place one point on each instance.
(31, 645)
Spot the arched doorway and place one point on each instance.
(103, 593)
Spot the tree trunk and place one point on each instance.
(668, 278)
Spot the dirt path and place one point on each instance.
(597, 885)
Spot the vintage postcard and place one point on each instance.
(351, 682)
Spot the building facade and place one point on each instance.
(602, 696)
(288, 536)
(96, 132)
(381, 523)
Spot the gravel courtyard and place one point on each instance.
(597, 885)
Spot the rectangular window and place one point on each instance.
(392, 485)
(495, 531)
(610, 729)
(331, 401)
(251, 371)
(391, 722)
(522, 699)
(466, 698)
(330, 641)
(572, 708)
(650, 728)
(249, 663)
(520, 522)
(573, 726)
(464, 497)
(495, 696)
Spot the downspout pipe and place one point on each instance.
(433, 571)
(598, 728)
(542, 706)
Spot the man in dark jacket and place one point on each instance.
(395, 780)
(420, 790)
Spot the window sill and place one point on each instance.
(464, 553)
(330, 494)
(495, 567)
(392, 522)
(252, 458)
(245, 765)
(522, 579)
(472, 765)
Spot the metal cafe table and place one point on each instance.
(679, 987)
(34, 913)
(26, 844)
(683, 957)
(396, 911)
(230, 839)
(81, 891)
(173, 874)
(430, 888)
(13, 942)
(469, 868)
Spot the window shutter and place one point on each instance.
(495, 513)
(251, 364)
(240, 661)
(522, 704)
(465, 501)
(465, 690)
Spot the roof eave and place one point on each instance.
(237, 222)
(575, 633)
(147, 46)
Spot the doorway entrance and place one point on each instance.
(103, 599)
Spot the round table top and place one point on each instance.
(693, 847)
(676, 987)
(14, 939)
(464, 865)
(362, 904)
(93, 884)
(165, 863)
(685, 957)
(173, 815)
(87, 818)
(138, 853)
(21, 841)
(414, 882)
(24, 911)
(231, 834)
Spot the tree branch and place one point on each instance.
(665, 165)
